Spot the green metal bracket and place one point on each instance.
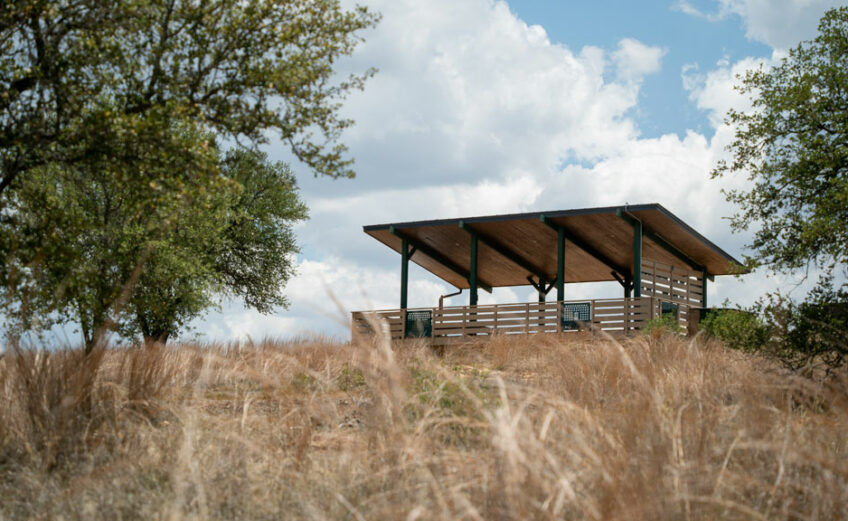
(637, 259)
(404, 272)
(560, 280)
(542, 288)
(438, 257)
(472, 278)
(637, 251)
(625, 282)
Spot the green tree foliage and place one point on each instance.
(120, 269)
(737, 328)
(72, 72)
(248, 255)
(793, 145)
(111, 184)
(809, 334)
(80, 234)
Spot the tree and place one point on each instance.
(71, 71)
(79, 235)
(250, 257)
(121, 270)
(108, 120)
(793, 145)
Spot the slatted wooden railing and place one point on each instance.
(391, 322)
(505, 319)
(612, 315)
(674, 284)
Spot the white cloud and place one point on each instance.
(714, 91)
(466, 90)
(634, 60)
(781, 24)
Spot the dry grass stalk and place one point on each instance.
(520, 427)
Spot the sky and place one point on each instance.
(484, 107)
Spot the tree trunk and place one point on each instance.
(156, 338)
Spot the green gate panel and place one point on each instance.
(419, 324)
(669, 308)
(575, 312)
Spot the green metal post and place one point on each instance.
(704, 277)
(637, 259)
(404, 272)
(560, 281)
(472, 277)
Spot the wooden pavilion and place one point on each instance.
(662, 264)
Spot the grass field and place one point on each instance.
(581, 427)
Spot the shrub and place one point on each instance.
(667, 322)
(812, 332)
(737, 328)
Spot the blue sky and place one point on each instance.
(688, 40)
(485, 107)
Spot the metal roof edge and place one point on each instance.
(696, 234)
(511, 216)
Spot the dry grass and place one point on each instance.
(538, 427)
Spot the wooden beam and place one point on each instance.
(504, 251)
(583, 245)
(438, 257)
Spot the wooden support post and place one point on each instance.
(404, 273)
(472, 276)
(628, 286)
(704, 277)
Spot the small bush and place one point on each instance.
(810, 333)
(350, 378)
(666, 323)
(738, 329)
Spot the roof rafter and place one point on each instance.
(583, 245)
(662, 243)
(504, 251)
(438, 257)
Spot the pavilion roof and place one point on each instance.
(513, 247)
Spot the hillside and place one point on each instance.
(514, 428)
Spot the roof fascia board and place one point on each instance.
(508, 217)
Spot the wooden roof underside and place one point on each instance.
(598, 242)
